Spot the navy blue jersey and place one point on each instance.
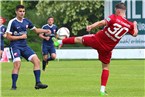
(18, 28)
(53, 29)
(2, 32)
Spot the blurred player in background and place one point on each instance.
(2, 35)
(48, 49)
(17, 34)
(104, 41)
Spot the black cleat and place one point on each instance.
(13, 88)
(40, 86)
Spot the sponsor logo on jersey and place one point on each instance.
(15, 54)
(26, 26)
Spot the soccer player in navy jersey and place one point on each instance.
(17, 34)
(2, 35)
(47, 44)
(104, 41)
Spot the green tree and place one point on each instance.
(73, 14)
(8, 7)
(8, 12)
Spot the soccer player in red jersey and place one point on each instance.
(104, 41)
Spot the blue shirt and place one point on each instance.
(18, 28)
(2, 32)
(53, 29)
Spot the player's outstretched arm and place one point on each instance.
(135, 29)
(10, 37)
(96, 24)
(44, 37)
(39, 30)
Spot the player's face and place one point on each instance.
(1, 21)
(50, 21)
(20, 13)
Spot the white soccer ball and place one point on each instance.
(63, 32)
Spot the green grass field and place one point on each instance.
(77, 78)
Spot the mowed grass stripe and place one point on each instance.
(77, 78)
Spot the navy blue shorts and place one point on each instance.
(48, 49)
(2, 47)
(25, 52)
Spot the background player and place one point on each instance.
(47, 44)
(17, 34)
(116, 25)
(2, 35)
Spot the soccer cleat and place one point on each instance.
(40, 86)
(55, 41)
(103, 93)
(13, 88)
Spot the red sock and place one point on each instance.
(70, 40)
(104, 77)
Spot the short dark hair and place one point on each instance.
(19, 6)
(50, 17)
(120, 6)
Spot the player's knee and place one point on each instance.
(38, 61)
(78, 39)
(53, 56)
(16, 67)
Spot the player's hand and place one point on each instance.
(88, 28)
(135, 23)
(47, 38)
(48, 31)
(24, 36)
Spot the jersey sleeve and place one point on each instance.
(31, 26)
(9, 27)
(109, 20)
(131, 31)
(3, 29)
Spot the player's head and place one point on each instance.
(120, 9)
(2, 20)
(20, 11)
(50, 20)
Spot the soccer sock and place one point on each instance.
(14, 80)
(104, 79)
(44, 62)
(70, 40)
(37, 75)
(50, 58)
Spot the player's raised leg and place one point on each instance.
(44, 62)
(49, 54)
(70, 40)
(35, 60)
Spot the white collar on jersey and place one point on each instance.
(19, 20)
(50, 26)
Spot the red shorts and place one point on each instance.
(92, 41)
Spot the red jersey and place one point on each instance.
(116, 28)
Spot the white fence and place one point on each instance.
(92, 54)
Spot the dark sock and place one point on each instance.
(37, 75)
(14, 80)
(50, 58)
(44, 62)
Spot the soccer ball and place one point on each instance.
(63, 33)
